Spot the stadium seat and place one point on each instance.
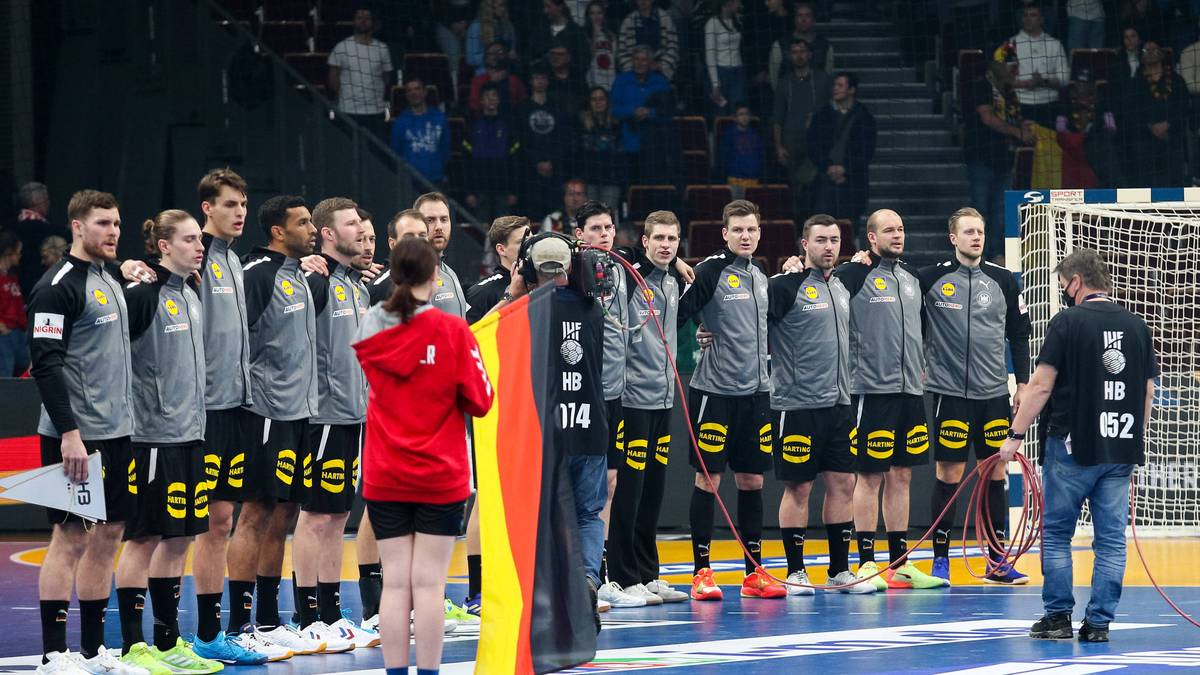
(706, 202)
(285, 37)
(696, 166)
(764, 264)
(288, 10)
(693, 133)
(458, 131)
(704, 237)
(396, 99)
(465, 74)
(643, 199)
(774, 201)
(431, 68)
(328, 34)
(778, 238)
(311, 66)
(1022, 169)
(335, 11)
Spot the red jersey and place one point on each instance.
(423, 376)
(12, 305)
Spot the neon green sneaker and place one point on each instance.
(181, 660)
(909, 576)
(141, 656)
(460, 615)
(870, 568)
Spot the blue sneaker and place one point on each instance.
(473, 605)
(941, 569)
(1006, 576)
(225, 649)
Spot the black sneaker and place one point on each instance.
(1090, 633)
(1052, 627)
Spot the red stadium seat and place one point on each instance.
(431, 68)
(312, 67)
(706, 202)
(328, 34)
(696, 166)
(693, 133)
(774, 201)
(288, 10)
(643, 199)
(285, 37)
(704, 237)
(778, 238)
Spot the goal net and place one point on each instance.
(1153, 251)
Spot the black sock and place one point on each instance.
(267, 613)
(998, 505)
(474, 575)
(306, 608)
(164, 600)
(866, 547)
(793, 547)
(329, 601)
(130, 603)
(700, 516)
(750, 519)
(897, 545)
(839, 535)
(296, 601)
(604, 563)
(942, 492)
(91, 626)
(241, 600)
(370, 586)
(54, 625)
(208, 616)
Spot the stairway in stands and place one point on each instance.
(918, 170)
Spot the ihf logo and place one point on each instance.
(571, 350)
(1113, 358)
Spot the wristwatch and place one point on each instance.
(1015, 436)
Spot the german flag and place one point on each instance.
(538, 615)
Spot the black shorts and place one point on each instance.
(336, 448)
(963, 424)
(890, 430)
(119, 476)
(172, 492)
(733, 430)
(229, 442)
(647, 438)
(616, 433)
(281, 465)
(808, 442)
(400, 519)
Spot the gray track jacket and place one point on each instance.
(886, 354)
(729, 297)
(223, 292)
(167, 343)
(448, 295)
(283, 337)
(341, 301)
(809, 320)
(79, 347)
(616, 335)
(649, 379)
(970, 311)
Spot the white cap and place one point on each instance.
(550, 256)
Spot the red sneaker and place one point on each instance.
(758, 585)
(704, 588)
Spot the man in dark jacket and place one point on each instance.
(841, 142)
(800, 92)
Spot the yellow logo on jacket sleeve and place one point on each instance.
(216, 270)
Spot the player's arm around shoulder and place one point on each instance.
(697, 294)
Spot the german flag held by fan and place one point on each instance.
(538, 615)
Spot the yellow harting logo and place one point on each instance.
(953, 434)
(177, 500)
(285, 466)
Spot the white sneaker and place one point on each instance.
(603, 606)
(847, 577)
(60, 663)
(640, 591)
(361, 637)
(289, 638)
(335, 641)
(371, 623)
(448, 626)
(664, 590)
(104, 663)
(273, 652)
(612, 593)
(800, 577)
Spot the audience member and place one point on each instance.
(567, 90)
(841, 140)
(1189, 67)
(1159, 112)
(764, 25)
(509, 86)
(421, 134)
(490, 148)
(52, 250)
(1083, 136)
(743, 153)
(602, 66)
(652, 27)
(723, 57)
(492, 25)
(1147, 18)
(546, 130)
(642, 100)
(14, 353)
(1044, 68)
(451, 36)
(575, 194)
(600, 159)
(800, 92)
(1129, 57)
(1085, 24)
(33, 227)
(360, 75)
(557, 28)
(805, 28)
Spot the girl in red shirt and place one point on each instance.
(425, 371)
(14, 353)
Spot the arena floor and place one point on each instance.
(971, 628)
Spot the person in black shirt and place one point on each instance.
(505, 237)
(1096, 370)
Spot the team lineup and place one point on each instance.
(211, 383)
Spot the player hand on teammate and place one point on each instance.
(74, 454)
(793, 264)
(136, 270)
(372, 272)
(861, 257)
(315, 263)
(685, 271)
(703, 337)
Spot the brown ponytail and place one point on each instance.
(413, 262)
(162, 226)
